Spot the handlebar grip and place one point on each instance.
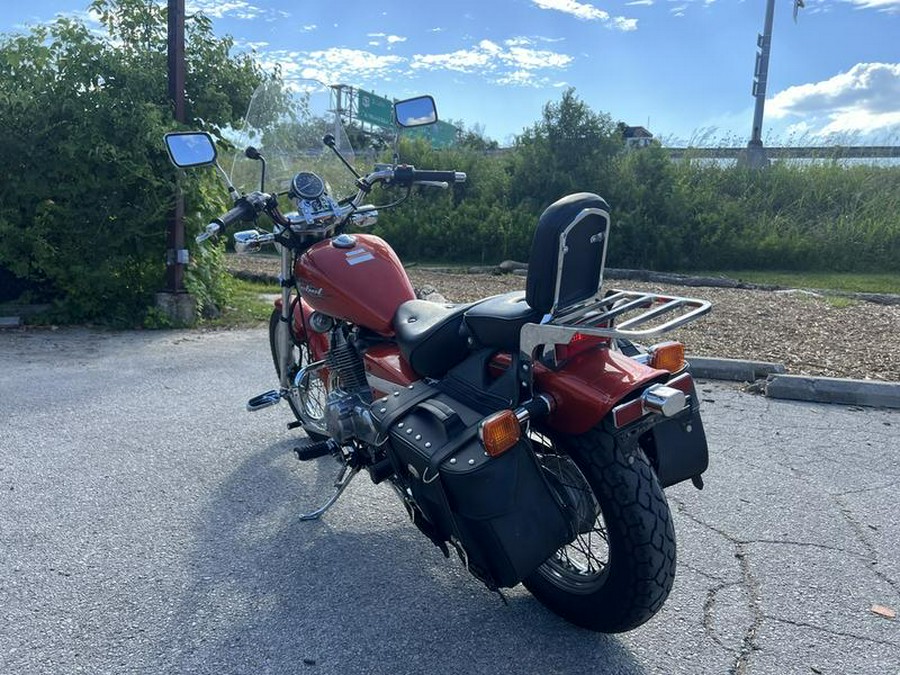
(408, 175)
(438, 176)
(242, 210)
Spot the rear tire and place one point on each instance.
(308, 406)
(619, 570)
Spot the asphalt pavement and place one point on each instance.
(148, 524)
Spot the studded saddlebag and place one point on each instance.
(499, 510)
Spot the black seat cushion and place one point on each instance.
(584, 259)
(496, 322)
(429, 336)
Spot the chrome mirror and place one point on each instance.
(190, 148)
(415, 112)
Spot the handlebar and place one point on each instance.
(248, 206)
(244, 208)
(409, 175)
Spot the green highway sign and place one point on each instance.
(374, 109)
(440, 134)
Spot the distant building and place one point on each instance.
(637, 137)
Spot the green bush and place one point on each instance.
(687, 215)
(87, 184)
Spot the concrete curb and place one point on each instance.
(834, 390)
(798, 387)
(736, 370)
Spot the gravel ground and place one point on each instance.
(809, 334)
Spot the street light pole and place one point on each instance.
(756, 153)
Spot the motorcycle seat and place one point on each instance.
(496, 321)
(430, 335)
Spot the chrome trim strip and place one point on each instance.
(382, 385)
(563, 249)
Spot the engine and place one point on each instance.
(347, 414)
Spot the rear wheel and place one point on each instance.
(618, 571)
(307, 401)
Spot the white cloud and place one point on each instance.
(250, 45)
(216, 9)
(639, 3)
(516, 65)
(889, 6)
(515, 62)
(865, 100)
(337, 64)
(587, 12)
(390, 39)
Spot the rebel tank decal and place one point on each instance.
(359, 255)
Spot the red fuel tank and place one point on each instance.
(357, 278)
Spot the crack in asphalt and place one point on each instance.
(860, 533)
(708, 606)
(750, 585)
(873, 488)
(836, 633)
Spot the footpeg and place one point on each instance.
(266, 400)
(315, 449)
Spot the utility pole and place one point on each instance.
(175, 302)
(756, 153)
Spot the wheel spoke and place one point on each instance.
(580, 563)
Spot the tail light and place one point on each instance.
(499, 432)
(579, 343)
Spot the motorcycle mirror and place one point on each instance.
(328, 139)
(415, 112)
(252, 153)
(190, 148)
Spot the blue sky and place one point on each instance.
(682, 68)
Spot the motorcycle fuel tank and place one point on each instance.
(357, 278)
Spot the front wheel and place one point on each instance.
(307, 402)
(618, 571)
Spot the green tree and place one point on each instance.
(87, 184)
(571, 149)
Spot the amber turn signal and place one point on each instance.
(499, 432)
(667, 356)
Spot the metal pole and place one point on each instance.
(756, 154)
(176, 255)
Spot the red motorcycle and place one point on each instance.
(527, 432)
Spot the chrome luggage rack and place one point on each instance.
(663, 314)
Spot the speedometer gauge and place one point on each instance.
(307, 185)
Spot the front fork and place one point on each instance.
(283, 336)
(285, 345)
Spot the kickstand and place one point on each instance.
(340, 484)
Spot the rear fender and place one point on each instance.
(589, 385)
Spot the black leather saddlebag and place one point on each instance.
(498, 511)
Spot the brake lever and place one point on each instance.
(433, 183)
(211, 231)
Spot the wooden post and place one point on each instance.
(176, 254)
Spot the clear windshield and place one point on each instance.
(286, 123)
